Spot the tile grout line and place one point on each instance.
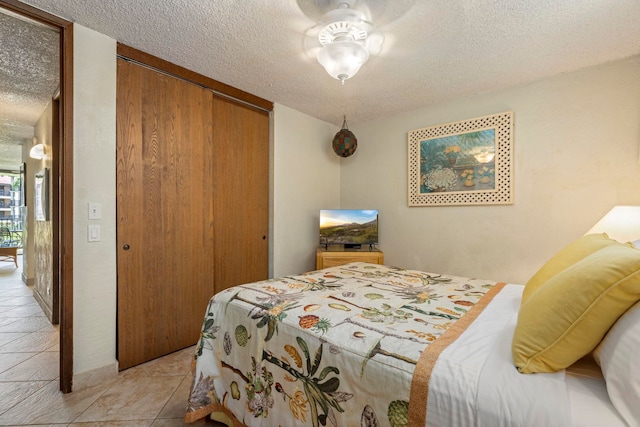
(33, 354)
(44, 384)
(169, 400)
(106, 389)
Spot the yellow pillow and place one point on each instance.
(569, 255)
(570, 314)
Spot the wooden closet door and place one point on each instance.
(241, 203)
(165, 218)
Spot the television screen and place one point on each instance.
(348, 227)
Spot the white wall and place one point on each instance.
(306, 179)
(576, 140)
(94, 140)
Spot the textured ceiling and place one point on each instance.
(29, 65)
(433, 51)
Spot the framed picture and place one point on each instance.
(462, 163)
(41, 193)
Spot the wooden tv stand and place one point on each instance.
(339, 256)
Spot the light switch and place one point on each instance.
(95, 210)
(93, 233)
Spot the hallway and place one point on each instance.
(152, 394)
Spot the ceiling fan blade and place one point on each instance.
(378, 12)
(374, 42)
(310, 43)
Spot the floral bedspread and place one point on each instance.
(330, 347)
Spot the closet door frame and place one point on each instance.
(217, 87)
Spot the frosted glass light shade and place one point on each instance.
(622, 223)
(37, 151)
(343, 59)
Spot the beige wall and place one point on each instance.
(42, 133)
(94, 139)
(40, 233)
(306, 179)
(576, 141)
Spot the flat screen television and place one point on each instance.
(351, 228)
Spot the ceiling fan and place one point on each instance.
(345, 35)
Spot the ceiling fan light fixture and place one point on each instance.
(343, 59)
(343, 38)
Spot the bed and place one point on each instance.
(375, 345)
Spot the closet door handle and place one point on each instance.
(126, 247)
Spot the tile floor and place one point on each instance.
(152, 394)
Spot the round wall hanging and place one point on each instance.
(345, 142)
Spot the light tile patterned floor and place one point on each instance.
(152, 394)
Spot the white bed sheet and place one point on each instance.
(587, 396)
(474, 382)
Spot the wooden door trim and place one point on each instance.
(62, 217)
(130, 53)
(65, 209)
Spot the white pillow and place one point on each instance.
(618, 357)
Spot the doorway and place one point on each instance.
(60, 173)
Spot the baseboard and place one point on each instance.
(43, 305)
(94, 377)
(29, 281)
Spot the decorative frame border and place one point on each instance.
(502, 191)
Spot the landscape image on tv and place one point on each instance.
(348, 227)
